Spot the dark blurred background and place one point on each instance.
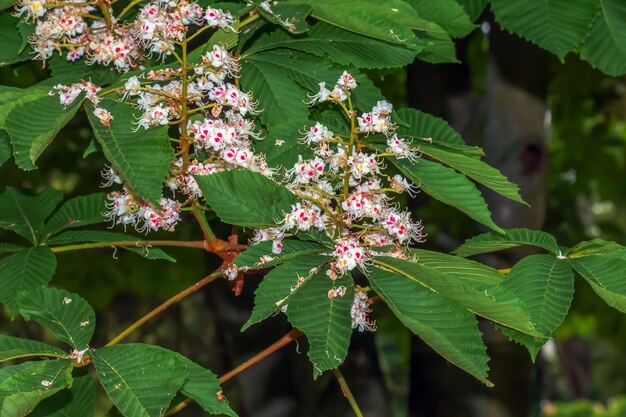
(556, 129)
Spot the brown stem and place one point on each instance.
(285, 340)
(106, 12)
(200, 244)
(184, 293)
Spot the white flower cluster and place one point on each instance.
(345, 195)
(360, 313)
(71, 26)
(126, 208)
(217, 134)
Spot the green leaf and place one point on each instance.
(532, 344)
(246, 198)
(77, 212)
(202, 386)
(69, 317)
(79, 70)
(290, 16)
(250, 258)
(546, 286)
(325, 321)
(446, 13)
(474, 8)
(340, 46)
(281, 99)
(5, 4)
(309, 72)
(511, 238)
(15, 348)
(390, 21)
(607, 276)
(475, 169)
(23, 386)
(418, 125)
(11, 40)
(449, 187)
(30, 136)
(439, 48)
(471, 271)
(594, 247)
(80, 401)
(98, 236)
(605, 47)
(493, 302)
(284, 154)
(275, 289)
(5, 146)
(142, 157)
(24, 214)
(24, 271)
(445, 326)
(557, 25)
(9, 247)
(141, 380)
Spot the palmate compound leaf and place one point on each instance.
(76, 212)
(480, 276)
(100, 236)
(557, 25)
(340, 46)
(444, 325)
(246, 198)
(25, 214)
(69, 317)
(16, 348)
(24, 271)
(605, 46)
(493, 242)
(251, 257)
(30, 136)
(606, 273)
(447, 278)
(79, 401)
(142, 157)
(142, 380)
(23, 386)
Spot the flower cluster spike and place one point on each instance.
(345, 194)
(72, 29)
(200, 97)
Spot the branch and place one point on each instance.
(195, 287)
(345, 389)
(285, 340)
(199, 244)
